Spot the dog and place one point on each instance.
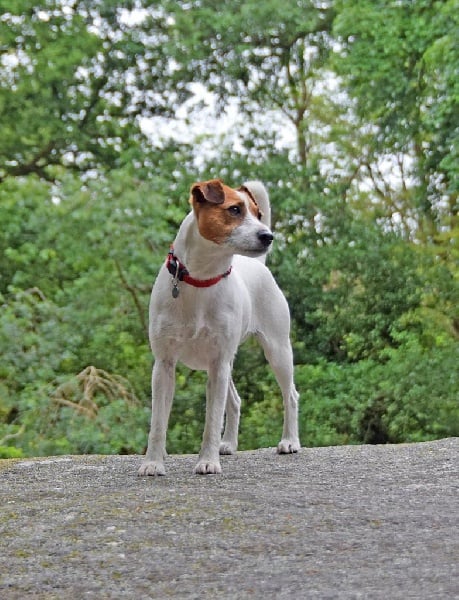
(213, 291)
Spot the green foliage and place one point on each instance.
(10, 452)
(186, 423)
(267, 54)
(400, 64)
(412, 396)
(117, 425)
(74, 81)
(77, 265)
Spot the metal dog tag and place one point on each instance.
(175, 291)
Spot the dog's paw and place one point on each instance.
(288, 446)
(149, 467)
(208, 467)
(227, 448)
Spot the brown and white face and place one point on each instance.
(230, 217)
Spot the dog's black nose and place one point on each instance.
(265, 237)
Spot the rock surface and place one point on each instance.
(343, 522)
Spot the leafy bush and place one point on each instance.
(412, 396)
(93, 412)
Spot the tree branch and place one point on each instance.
(132, 290)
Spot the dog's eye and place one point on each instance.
(235, 210)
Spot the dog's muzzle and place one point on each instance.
(266, 238)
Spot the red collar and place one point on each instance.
(181, 273)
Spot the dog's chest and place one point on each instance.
(195, 342)
(202, 324)
(198, 326)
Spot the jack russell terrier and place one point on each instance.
(209, 296)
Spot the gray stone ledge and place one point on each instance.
(342, 522)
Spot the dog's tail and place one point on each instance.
(258, 191)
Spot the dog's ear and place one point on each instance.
(208, 191)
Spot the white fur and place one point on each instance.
(203, 328)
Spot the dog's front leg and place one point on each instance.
(217, 389)
(162, 386)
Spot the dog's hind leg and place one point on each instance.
(163, 385)
(228, 444)
(280, 358)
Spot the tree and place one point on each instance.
(399, 62)
(270, 54)
(76, 78)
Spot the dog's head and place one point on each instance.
(230, 217)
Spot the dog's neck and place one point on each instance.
(203, 259)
